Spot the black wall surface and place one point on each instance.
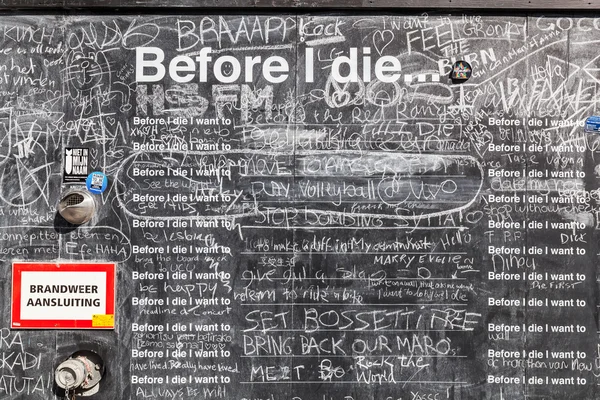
(420, 239)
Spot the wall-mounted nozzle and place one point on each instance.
(80, 373)
(77, 207)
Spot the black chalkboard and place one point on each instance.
(306, 206)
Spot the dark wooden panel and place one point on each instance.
(486, 4)
(158, 3)
(310, 3)
(29, 4)
(326, 4)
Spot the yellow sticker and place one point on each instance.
(107, 320)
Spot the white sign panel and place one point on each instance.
(62, 295)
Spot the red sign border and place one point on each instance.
(26, 266)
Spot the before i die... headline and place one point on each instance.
(151, 66)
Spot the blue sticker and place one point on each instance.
(592, 124)
(96, 182)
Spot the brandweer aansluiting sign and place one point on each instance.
(63, 295)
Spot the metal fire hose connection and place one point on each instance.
(77, 207)
(80, 374)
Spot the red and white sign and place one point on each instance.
(63, 295)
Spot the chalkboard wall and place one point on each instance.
(283, 231)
